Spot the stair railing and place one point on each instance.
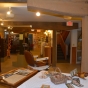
(62, 44)
(65, 34)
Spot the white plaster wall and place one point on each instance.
(73, 42)
(74, 38)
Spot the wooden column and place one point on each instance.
(0, 54)
(84, 62)
(74, 55)
(54, 50)
(48, 53)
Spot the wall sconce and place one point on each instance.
(47, 33)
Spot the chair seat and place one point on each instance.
(43, 58)
(38, 63)
(40, 68)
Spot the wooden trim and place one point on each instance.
(62, 44)
(73, 55)
(20, 81)
(54, 50)
(42, 25)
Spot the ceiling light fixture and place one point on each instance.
(67, 17)
(32, 29)
(10, 27)
(47, 32)
(5, 30)
(38, 30)
(2, 23)
(9, 11)
(12, 32)
(38, 14)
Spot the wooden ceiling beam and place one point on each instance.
(43, 25)
(13, 1)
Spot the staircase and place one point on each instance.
(61, 47)
(60, 55)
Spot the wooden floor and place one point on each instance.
(7, 65)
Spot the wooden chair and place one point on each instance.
(38, 63)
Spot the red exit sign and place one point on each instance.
(69, 23)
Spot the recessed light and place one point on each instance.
(8, 12)
(12, 32)
(5, 30)
(8, 27)
(32, 29)
(31, 26)
(37, 13)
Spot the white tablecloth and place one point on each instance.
(36, 82)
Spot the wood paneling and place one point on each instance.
(73, 55)
(41, 25)
(65, 34)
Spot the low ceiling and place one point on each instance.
(22, 15)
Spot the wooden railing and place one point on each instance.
(62, 44)
(64, 34)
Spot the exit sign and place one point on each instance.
(69, 23)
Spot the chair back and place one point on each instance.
(29, 58)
